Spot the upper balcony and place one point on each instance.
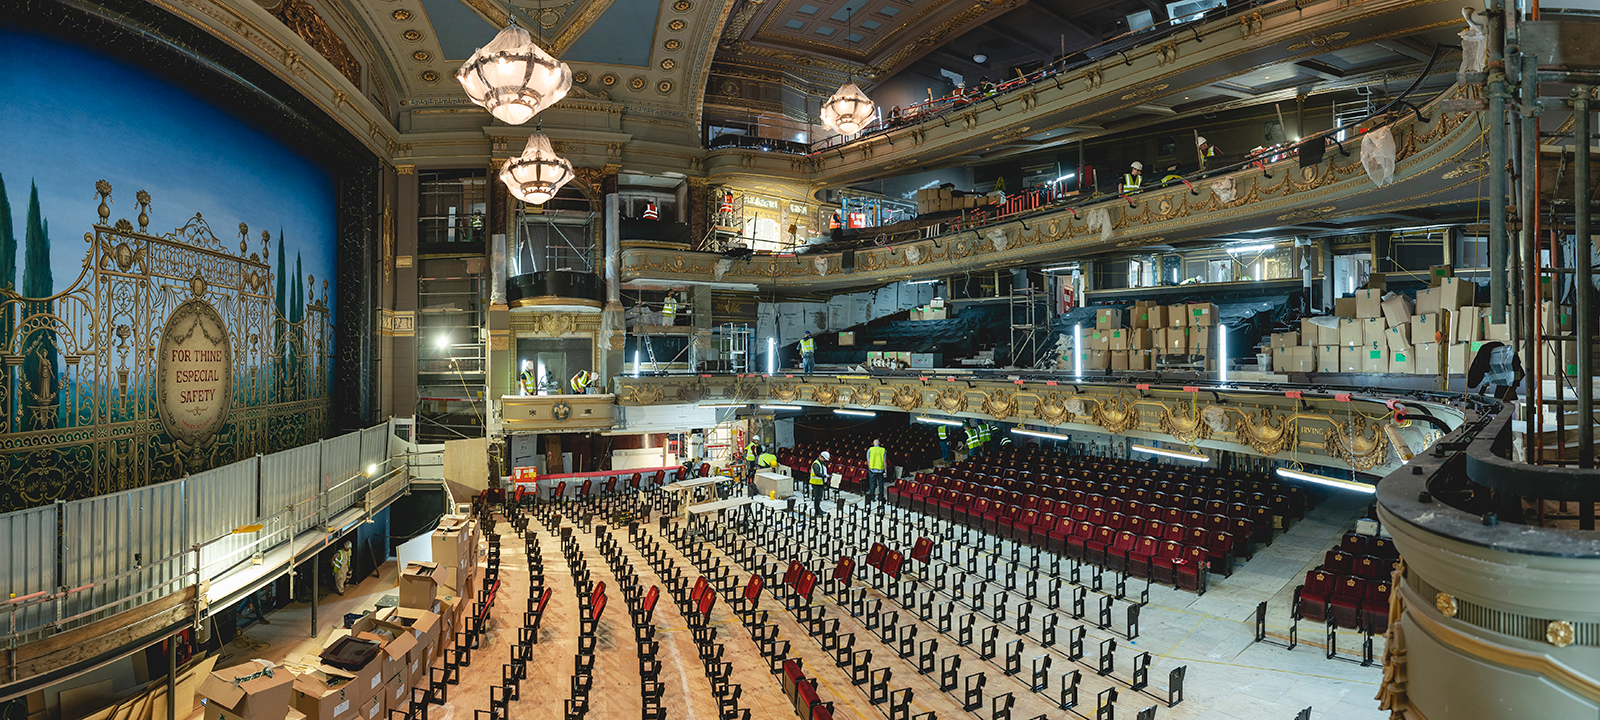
(1251, 55)
(1438, 166)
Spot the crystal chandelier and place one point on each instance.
(513, 78)
(848, 110)
(538, 173)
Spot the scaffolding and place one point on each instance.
(1030, 326)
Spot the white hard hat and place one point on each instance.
(1137, 165)
(1199, 141)
(826, 456)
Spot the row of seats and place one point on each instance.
(1351, 587)
(907, 446)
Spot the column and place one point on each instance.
(401, 354)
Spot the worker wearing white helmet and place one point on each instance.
(819, 480)
(1206, 150)
(1132, 179)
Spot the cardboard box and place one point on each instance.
(1372, 330)
(1350, 332)
(1200, 341)
(1117, 340)
(1468, 325)
(1557, 319)
(1426, 328)
(328, 693)
(1286, 339)
(1425, 359)
(396, 652)
(1202, 315)
(1100, 340)
(374, 709)
(1398, 338)
(1280, 359)
(1141, 360)
(1456, 292)
(1150, 316)
(1301, 359)
(1440, 272)
(1141, 339)
(1344, 307)
(1460, 358)
(1369, 303)
(1119, 360)
(1397, 310)
(1328, 358)
(397, 694)
(1497, 331)
(1350, 358)
(423, 624)
(418, 587)
(1374, 359)
(1108, 318)
(1097, 360)
(256, 690)
(1427, 301)
(1177, 316)
(1378, 281)
(847, 337)
(1400, 361)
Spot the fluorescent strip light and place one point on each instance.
(1320, 480)
(1176, 454)
(721, 405)
(937, 421)
(636, 358)
(1251, 248)
(1059, 268)
(772, 357)
(856, 413)
(1077, 350)
(1222, 353)
(1036, 433)
(781, 407)
(923, 282)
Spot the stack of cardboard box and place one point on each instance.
(1380, 332)
(1149, 331)
(933, 200)
(256, 690)
(455, 550)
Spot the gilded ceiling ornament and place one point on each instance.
(676, 26)
(668, 64)
(864, 396)
(906, 398)
(580, 77)
(824, 394)
(672, 44)
(1267, 433)
(1445, 603)
(665, 86)
(692, 393)
(1317, 41)
(1000, 404)
(642, 394)
(729, 88)
(1309, 213)
(785, 391)
(682, 6)
(421, 56)
(430, 77)
(1051, 408)
(608, 79)
(1559, 633)
(1351, 441)
(402, 15)
(412, 35)
(1183, 421)
(951, 400)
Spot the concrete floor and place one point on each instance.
(1229, 676)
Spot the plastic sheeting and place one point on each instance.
(1377, 156)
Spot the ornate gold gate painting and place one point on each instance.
(169, 354)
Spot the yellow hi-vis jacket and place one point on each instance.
(877, 458)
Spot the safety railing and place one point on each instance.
(72, 563)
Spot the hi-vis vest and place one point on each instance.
(808, 346)
(727, 203)
(819, 472)
(983, 432)
(580, 381)
(944, 432)
(1208, 152)
(833, 222)
(1131, 182)
(650, 212)
(974, 437)
(530, 383)
(767, 460)
(750, 452)
(670, 307)
(877, 458)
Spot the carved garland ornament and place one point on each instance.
(1052, 408)
(1000, 404)
(1359, 449)
(951, 400)
(1268, 433)
(786, 392)
(906, 398)
(692, 393)
(1115, 415)
(643, 394)
(824, 394)
(1184, 423)
(865, 396)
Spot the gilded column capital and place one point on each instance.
(405, 169)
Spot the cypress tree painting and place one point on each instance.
(8, 281)
(40, 389)
(280, 368)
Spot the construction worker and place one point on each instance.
(944, 442)
(650, 212)
(833, 222)
(530, 379)
(341, 566)
(1132, 179)
(726, 207)
(974, 440)
(877, 470)
(808, 353)
(669, 308)
(751, 450)
(1205, 150)
(766, 461)
(819, 481)
(580, 382)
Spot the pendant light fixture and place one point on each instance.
(538, 173)
(849, 109)
(512, 77)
